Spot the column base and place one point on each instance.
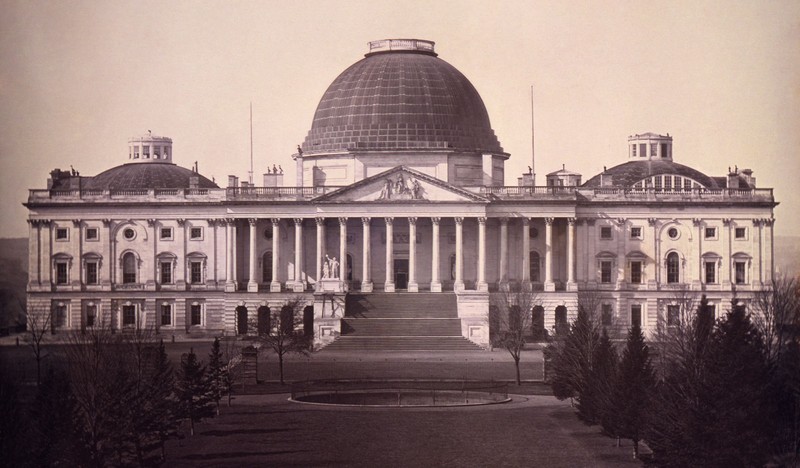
(275, 287)
(298, 286)
(436, 287)
(458, 287)
(572, 286)
(366, 286)
(503, 286)
(252, 286)
(483, 287)
(413, 287)
(550, 286)
(230, 286)
(388, 287)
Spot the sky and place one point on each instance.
(78, 78)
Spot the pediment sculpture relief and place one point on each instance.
(402, 189)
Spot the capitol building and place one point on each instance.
(397, 230)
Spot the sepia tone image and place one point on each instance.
(399, 234)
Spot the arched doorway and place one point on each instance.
(562, 327)
(241, 320)
(287, 320)
(537, 324)
(263, 320)
(308, 320)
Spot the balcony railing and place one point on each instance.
(511, 193)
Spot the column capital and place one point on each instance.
(230, 221)
(459, 219)
(769, 221)
(590, 221)
(298, 221)
(213, 221)
(549, 221)
(435, 220)
(252, 221)
(726, 221)
(571, 221)
(526, 221)
(481, 220)
(77, 222)
(389, 221)
(319, 221)
(697, 221)
(652, 221)
(504, 220)
(275, 221)
(342, 220)
(366, 220)
(412, 220)
(621, 221)
(181, 221)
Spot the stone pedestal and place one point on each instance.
(329, 308)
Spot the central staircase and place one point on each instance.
(401, 322)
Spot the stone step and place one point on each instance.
(399, 343)
(401, 327)
(402, 305)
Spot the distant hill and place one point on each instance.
(13, 279)
(787, 255)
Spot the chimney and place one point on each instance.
(747, 174)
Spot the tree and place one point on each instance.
(601, 383)
(511, 315)
(777, 315)
(286, 334)
(38, 325)
(633, 387)
(232, 355)
(194, 395)
(217, 374)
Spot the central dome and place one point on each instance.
(401, 96)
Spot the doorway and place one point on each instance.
(401, 273)
(241, 320)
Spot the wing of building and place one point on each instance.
(399, 210)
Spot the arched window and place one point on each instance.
(128, 268)
(534, 260)
(349, 267)
(673, 268)
(537, 323)
(562, 327)
(287, 320)
(266, 267)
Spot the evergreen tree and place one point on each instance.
(632, 390)
(52, 414)
(194, 395)
(602, 381)
(161, 419)
(217, 374)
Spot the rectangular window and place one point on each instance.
(166, 272)
(92, 234)
(196, 312)
(687, 184)
(128, 315)
(711, 233)
(196, 233)
(678, 183)
(636, 272)
(636, 315)
(712, 309)
(673, 315)
(658, 185)
(643, 149)
(61, 273)
(91, 273)
(196, 272)
(653, 149)
(633, 149)
(166, 314)
(605, 232)
(62, 234)
(740, 233)
(605, 272)
(60, 316)
(165, 233)
(606, 315)
(91, 315)
(636, 232)
(664, 150)
(740, 272)
(668, 183)
(711, 272)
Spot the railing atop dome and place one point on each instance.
(617, 193)
(279, 193)
(386, 45)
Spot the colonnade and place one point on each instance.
(481, 283)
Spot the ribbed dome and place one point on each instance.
(627, 174)
(401, 99)
(145, 176)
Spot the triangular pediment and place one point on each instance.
(400, 185)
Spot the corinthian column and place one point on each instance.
(252, 284)
(366, 257)
(458, 285)
(320, 247)
(503, 252)
(571, 284)
(299, 284)
(412, 255)
(343, 250)
(436, 282)
(549, 285)
(388, 286)
(482, 286)
(275, 286)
